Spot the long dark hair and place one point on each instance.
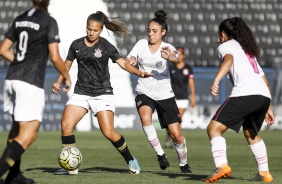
(160, 18)
(236, 28)
(116, 25)
(41, 4)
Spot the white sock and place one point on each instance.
(181, 150)
(260, 153)
(153, 139)
(218, 148)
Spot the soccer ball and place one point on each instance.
(70, 158)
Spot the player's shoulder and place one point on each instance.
(78, 41)
(142, 41)
(104, 41)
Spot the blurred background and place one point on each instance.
(193, 25)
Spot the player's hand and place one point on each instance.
(192, 102)
(269, 117)
(165, 52)
(67, 85)
(214, 88)
(56, 87)
(145, 75)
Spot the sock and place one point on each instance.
(181, 150)
(11, 154)
(260, 153)
(218, 148)
(14, 170)
(153, 139)
(122, 148)
(69, 141)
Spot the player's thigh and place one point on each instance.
(72, 115)
(27, 132)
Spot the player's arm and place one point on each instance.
(6, 50)
(269, 116)
(192, 92)
(169, 55)
(223, 70)
(128, 67)
(59, 64)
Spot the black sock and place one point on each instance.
(11, 154)
(14, 171)
(69, 140)
(121, 146)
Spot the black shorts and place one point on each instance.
(246, 111)
(167, 109)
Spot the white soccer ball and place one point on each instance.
(70, 158)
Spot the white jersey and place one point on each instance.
(157, 87)
(245, 72)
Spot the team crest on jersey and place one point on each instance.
(185, 71)
(98, 53)
(159, 64)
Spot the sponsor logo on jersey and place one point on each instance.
(28, 24)
(98, 53)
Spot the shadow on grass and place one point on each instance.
(84, 170)
(186, 176)
(197, 177)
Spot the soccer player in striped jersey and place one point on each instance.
(35, 33)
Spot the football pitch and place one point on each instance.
(103, 164)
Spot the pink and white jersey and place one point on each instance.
(157, 87)
(245, 73)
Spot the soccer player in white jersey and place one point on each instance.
(35, 33)
(93, 88)
(155, 93)
(249, 103)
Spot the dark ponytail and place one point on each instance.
(160, 18)
(116, 25)
(41, 4)
(235, 28)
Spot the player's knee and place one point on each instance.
(177, 138)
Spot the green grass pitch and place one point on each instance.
(103, 164)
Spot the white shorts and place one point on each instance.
(182, 104)
(23, 100)
(96, 104)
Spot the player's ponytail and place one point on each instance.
(235, 28)
(41, 4)
(116, 25)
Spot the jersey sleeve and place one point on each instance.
(53, 33)
(71, 52)
(134, 51)
(10, 34)
(114, 54)
(191, 72)
(259, 68)
(224, 49)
